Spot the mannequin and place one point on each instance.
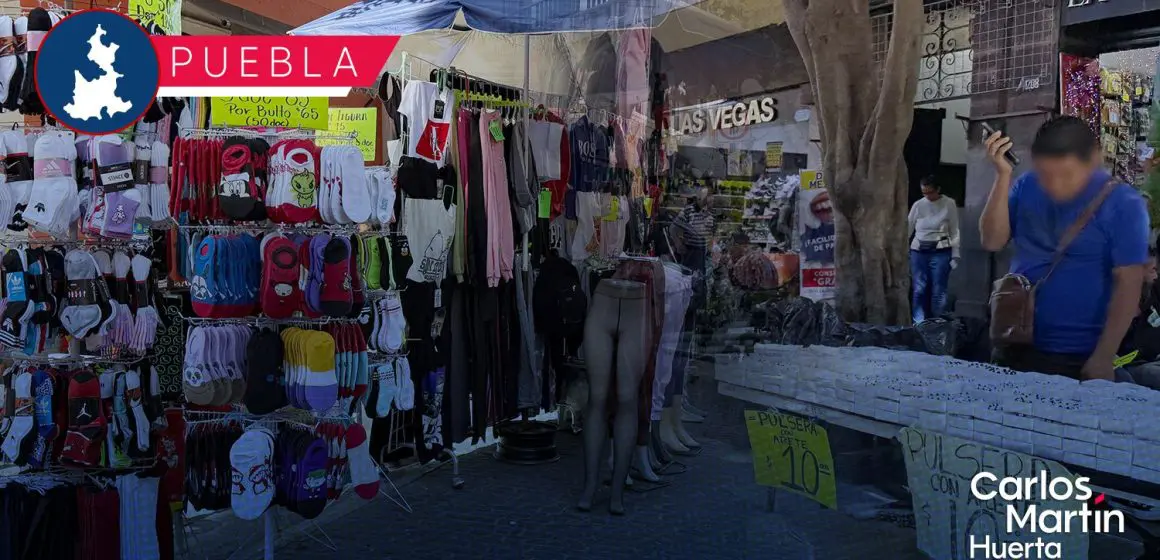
(615, 327)
(689, 237)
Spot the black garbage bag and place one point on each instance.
(833, 328)
(894, 338)
(973, 339)
(938, 336)
(801, 323)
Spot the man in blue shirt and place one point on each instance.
(1084, 309)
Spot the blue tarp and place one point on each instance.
(405, 17)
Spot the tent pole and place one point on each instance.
(527, 147)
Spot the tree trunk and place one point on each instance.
(864, 122)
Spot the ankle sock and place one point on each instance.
(363, 474)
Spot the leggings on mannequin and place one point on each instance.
(615, 327)
(676, 386)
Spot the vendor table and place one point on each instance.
(764, 382)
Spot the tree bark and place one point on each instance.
(864, 122)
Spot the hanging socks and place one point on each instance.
(363, 474)
(22, 422)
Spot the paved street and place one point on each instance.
(505, 511)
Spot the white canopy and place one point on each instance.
(448, 33)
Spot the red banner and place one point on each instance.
(239, 61)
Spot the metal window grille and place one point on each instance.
(980, 46)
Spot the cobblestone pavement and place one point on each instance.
(714, 510)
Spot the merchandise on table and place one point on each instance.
(1095, 424)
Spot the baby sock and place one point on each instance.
(321, 381)
(22, 421)
(363, 474)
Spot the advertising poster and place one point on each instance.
(816, 231)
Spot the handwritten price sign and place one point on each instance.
(792, 453)
(165, 13)
(360, 122)
(288, 112)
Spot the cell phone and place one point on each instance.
(1010, 156)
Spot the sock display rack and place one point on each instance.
(293, 340)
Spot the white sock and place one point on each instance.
(7, 62)
(159, 182)
(405, 400)
(396, 324)
(363, 474)
(22, 423)
(356, 197)
(140, 421)
(56, 155)
(142, 161)
(20, 29)
(388, 388)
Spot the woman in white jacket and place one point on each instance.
(934, 250)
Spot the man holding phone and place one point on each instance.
(1085, 306)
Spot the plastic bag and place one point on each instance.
(938, 336)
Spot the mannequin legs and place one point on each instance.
(614, 330)
(678, 427)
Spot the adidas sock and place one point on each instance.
(363, 474)
(39, 22)
(53, 183)
(11, 334)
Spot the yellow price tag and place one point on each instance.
(792, 453)
(1127, 359)
(165, 13)
(613, 210)
(648, 207)
(362, 123)
(288, 112)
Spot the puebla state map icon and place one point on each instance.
(97, 72)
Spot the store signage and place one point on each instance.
(956, 487)
(1082, 11)
(360, 124)
(288, 112)
(792, 452)
(726, 116)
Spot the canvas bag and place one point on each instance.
(1013, 295)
